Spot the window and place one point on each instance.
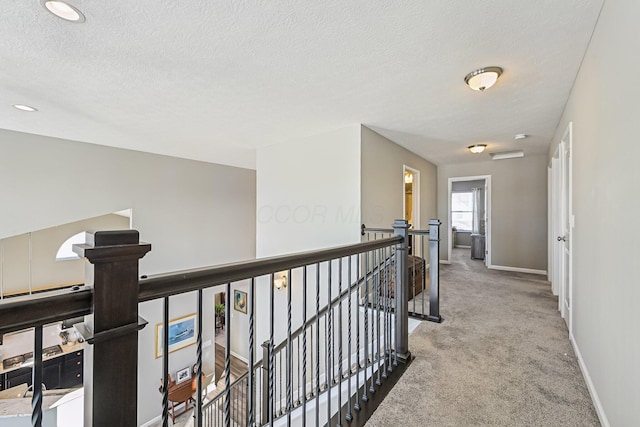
(462, 211)
(66, 250)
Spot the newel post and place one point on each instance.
(434, 271)
(401, 290)
(111, 392)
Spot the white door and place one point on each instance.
(565, 237)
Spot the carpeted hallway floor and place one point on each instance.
(502, 357)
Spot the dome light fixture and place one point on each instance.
(64, 10)
(477, 148)
(23, 107)
(483, 78)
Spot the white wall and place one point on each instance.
(383, 181)
(308, 197)
(193, 214)
(518, 209)
(308, 193)
(604, 109)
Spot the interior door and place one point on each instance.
(567, 224)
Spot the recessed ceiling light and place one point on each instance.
(64, 10)
(520, 136)
(483, 78)
(507, 155)
(477, 148)
(23, 107)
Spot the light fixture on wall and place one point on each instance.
(477, 148)
(483, 78)
(64, 10)
(280, 281)
(408, 177)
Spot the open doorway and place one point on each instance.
(411, 200)
(469, 213)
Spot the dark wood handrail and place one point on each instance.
(48, 307)
(192, 280)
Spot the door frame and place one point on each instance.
(415, 195)
(487, 201)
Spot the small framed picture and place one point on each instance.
(240, 301)
(183, 375)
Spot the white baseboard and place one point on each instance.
(590, 386)
(245, 360)
(518, 269)
(152, 421)
(445, 261)
(462, 247)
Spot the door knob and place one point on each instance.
(561, 238)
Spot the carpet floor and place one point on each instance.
(502, 357)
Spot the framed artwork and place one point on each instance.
(183, 375)
(182, 333)
(240, 301)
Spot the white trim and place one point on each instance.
(415, 195)
(445, 261)
(518, 269)
(233, 353)
(463, 247)
(152, 421)
(590, 386)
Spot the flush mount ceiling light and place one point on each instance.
(507, 155)
(64, 10)
(477, 148)
(483, 78)
(23, 107)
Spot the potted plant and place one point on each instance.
(219, 310)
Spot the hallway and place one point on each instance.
(502, 357)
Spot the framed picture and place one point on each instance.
(182, 333)
(240, 301)
(183, 375)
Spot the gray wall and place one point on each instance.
(383, 179)
(603, 107)
(193, 214)
(518, 209)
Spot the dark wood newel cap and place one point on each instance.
(111, 246)
(115, 237)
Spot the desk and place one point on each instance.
(181, 394)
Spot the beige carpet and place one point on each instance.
(501, 358)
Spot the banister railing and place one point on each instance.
(418, 285)
(346, 331)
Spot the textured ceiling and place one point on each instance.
(213, 80)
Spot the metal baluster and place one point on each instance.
(304, 345)
(36, 379)
(165, 363)
(424, 274)
(356, 404)
(339, 341)
(289, 353)
(412, 283)
(383, 297)
(227, 358)
(198, 410)
(251, 396)
(365, 395)
(395, 330)
(318, 344)
(271, 383)
(280, 385)
(329, 372)
(375, 310)
(298, 372)
(349, 416)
